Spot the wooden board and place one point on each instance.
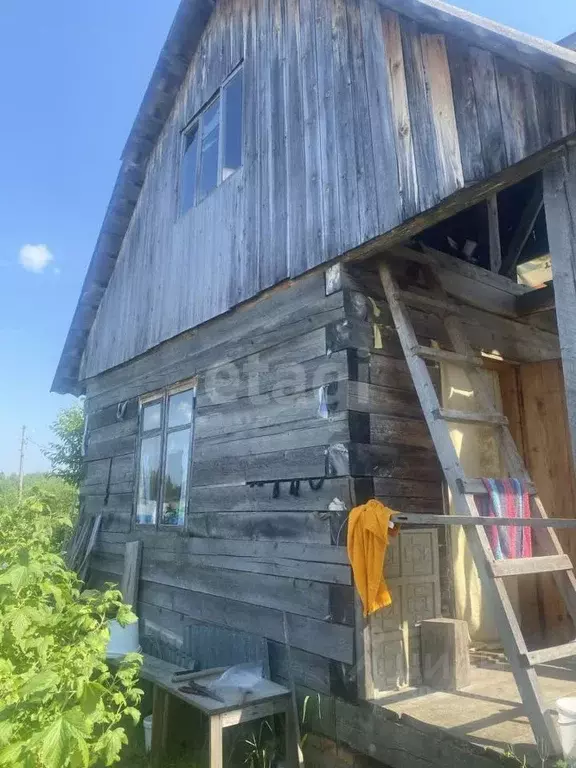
(560, 207)
(131, 574)
(548, 457)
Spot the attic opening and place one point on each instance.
(505, 234)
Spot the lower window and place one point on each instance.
(166, 433)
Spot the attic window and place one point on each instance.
(213, 143)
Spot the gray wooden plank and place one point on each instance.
(244, 498)
(439, 88)
(172, 606)
(306, 46)
(295, 142)
(403, 128)
(488, 109)
(329, 161)
(560, 207)
(381, 117)
(306, 527)
(519, 113)
(361, 126)
(298, 596)
(345, 150)
(421, 116)
(257, 550)
(287, 436)
(459, 58)
(131, 574)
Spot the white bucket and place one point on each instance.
(147, 723)
(567, 725)
(123, 640)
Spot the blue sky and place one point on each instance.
(72, 76)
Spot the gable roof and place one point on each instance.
(569, 41)
(175, 58)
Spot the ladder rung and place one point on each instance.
(525, 565)
(476, 486)
(549, 654)
(445, 356)
(421, 300)
(470, 418)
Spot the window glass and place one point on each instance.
(175, 477)
(180, 409)
(189, 168)
(149, 480)
(208, 178)
(232, 125)
(152, 416)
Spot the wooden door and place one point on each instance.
(412, 573)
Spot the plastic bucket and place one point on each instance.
(567, 725)
(147, 723)
(122, 640)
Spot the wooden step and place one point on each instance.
(476, 486)
(532, 658)
(445, 356)
(469, 417)
(431, 303)
(526, 565)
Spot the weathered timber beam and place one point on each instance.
(523, 231)
(538, 300)
(560, 207)
(494, 234)
(420, 518)
(458, 201)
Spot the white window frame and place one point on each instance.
(162, 396)
(197, 122)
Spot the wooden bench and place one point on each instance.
(267, 698)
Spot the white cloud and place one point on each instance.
(35, 258)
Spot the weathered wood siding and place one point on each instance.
(355, 120)
(245, 556)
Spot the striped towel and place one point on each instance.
(506, 498)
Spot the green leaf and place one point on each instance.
(17, 577)
(80, 757)
(113, 742)
(92, 694)
(43, 681)
(64, 736)
(55, 744)
(133, 713)
(11, 753)
(6, 730)
(126, 615)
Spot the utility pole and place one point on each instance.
(21, 472)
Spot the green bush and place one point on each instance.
(60, 704)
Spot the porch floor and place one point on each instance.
(489, 711)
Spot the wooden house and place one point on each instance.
(244, 381)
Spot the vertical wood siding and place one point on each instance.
(355, 120)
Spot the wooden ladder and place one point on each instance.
(463, 489)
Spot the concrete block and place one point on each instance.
(445, 656)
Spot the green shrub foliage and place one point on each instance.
(60, 704)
